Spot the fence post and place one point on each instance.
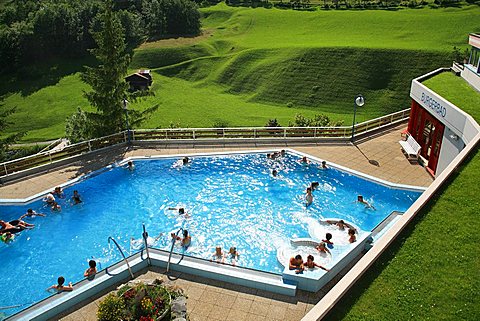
(133, 134)
(254, 133)
(89, 146)
(223, 130)
(284, 133)
(194, 134)
(50, 156)
(5, 167)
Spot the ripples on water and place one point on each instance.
(232, 201)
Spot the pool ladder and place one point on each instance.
(121, 252)
(171, 249)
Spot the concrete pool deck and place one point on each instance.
(383, 150)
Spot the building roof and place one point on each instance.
(457, 91)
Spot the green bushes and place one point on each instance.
(137, 302)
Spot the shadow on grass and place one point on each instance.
(344, 305)
(30, 79)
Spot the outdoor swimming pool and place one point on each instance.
(232, 200)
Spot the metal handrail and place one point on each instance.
(145, 237)
(121, 252)
(275, 133)
(171, 249)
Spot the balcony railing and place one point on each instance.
(201, 134)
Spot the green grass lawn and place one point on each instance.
(456, 90)
(261, 61)
(430, 272)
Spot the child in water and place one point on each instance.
(233, 255)
(218, 255)
(92, 270)
(352, 238)
(309, 196)
(310, 264)
(60, 287)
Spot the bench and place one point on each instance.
(411, 148)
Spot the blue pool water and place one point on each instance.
(232, 200)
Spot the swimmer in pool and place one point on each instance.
(324, 165)
(58, 192)
(364, 202)
(130, 166)
(296, 263)
(56, 207)
(341, 225)
(274, 173)
(92, 270)
(9, 227)
(49, 199)
(309, 197)
(304, 160)
(218, 255)
(311, 264)
(322, 248)
(31, 213)
(76, 198)
(7, 237)
(60, 287)
(352, 237)
(233, 255)
(328, 238)
(185, 241)
(314, 185)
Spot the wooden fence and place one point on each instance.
(198, 134)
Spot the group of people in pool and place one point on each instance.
(296, 263)
(61, 287)
(9, 229)
(220, 256)
(51, 199)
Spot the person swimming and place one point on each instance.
(364, 202)
(92, 270)
(309, 197)
(233, 255)
(7, 237)
(296, 263)
(58, 192)
(218, 255)
(76, 198)
(49, 199)
(311, 264)
(352, 237)
(314, 185)
(130, 166)
(60, 287)
(322, 248)
(185, 241)
(324, 165)
(31, 213)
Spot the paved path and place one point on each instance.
(383, 150)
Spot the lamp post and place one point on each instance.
(125, 104)
(359, 101)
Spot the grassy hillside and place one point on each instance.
(268, 63)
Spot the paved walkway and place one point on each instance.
(380, 157)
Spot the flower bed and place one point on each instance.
(138, 301)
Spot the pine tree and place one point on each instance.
(109, 88)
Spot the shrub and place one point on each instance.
(137, 302)
(272, 123)
(289, 104)
(111, 308)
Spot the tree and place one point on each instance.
(109, 88)
(9, 139)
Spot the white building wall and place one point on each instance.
(471, 76)
(456, 121)
(451, 146)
